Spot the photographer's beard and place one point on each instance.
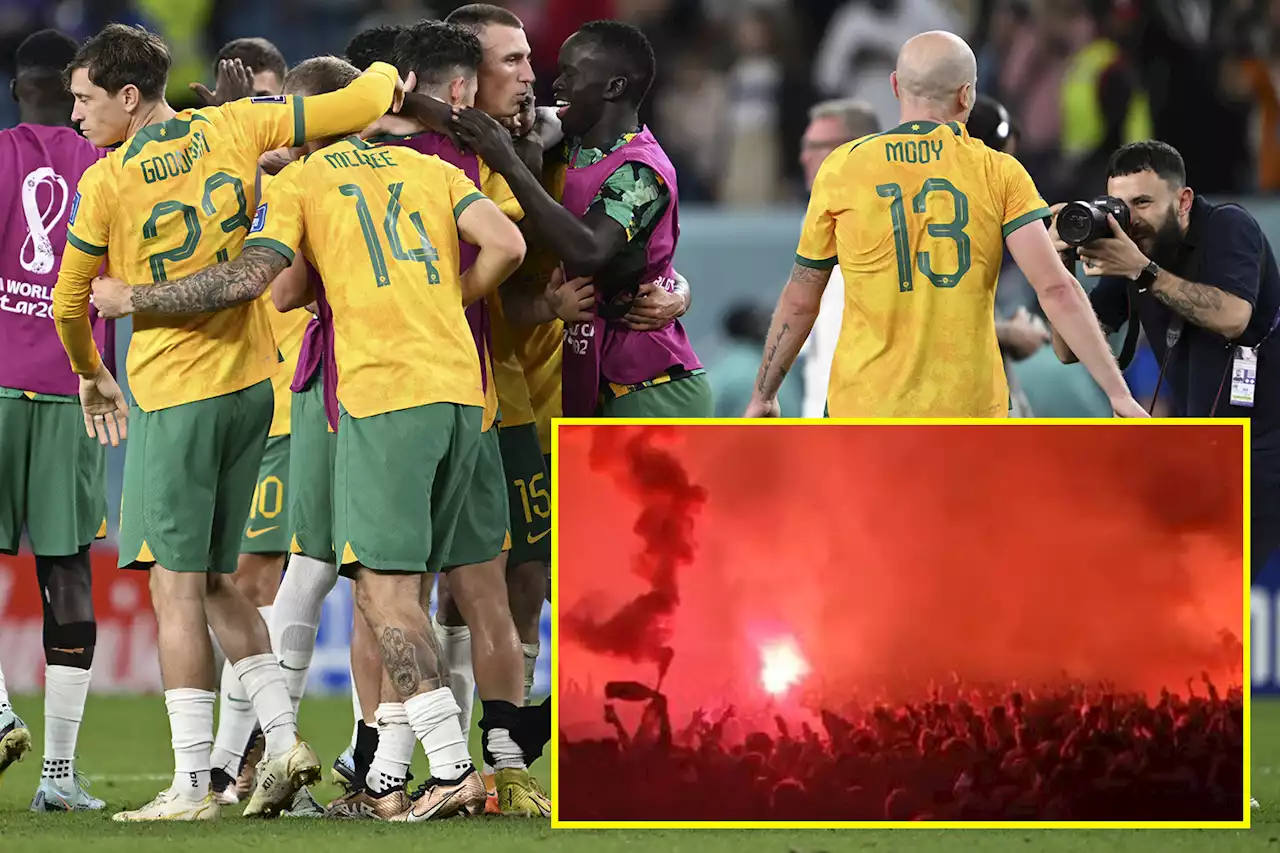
(1160, 242)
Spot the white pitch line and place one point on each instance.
(133, 777)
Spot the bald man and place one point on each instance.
(920, 259)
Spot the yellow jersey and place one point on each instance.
(174, 199)
(916, 217)
(508, 376)
(379, 224)
(539, 349)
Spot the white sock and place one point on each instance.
(434, 718)
(191, 729)
(506, 754)
(263, 681)
(455, 648)
(236, 720)
(295, 619)
(391, 760)
(530, 667)
(4, 694)
(65, 690)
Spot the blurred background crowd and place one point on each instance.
(737, 80)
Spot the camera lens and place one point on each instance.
(1075, 223)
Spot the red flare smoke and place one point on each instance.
(639, 630)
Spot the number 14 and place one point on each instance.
(953, 230)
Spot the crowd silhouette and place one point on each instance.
(963, 752)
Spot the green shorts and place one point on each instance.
(53, 478)
(689, 397)
(480, 532)
(312, 451)
(268, 530)
(189, 473)
(399, 485)
(528, 494)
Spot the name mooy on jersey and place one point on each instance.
(173, 164)
(913, 151)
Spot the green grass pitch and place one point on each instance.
(124, 748)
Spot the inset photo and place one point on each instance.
(1016, 622)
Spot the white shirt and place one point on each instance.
(820, 348)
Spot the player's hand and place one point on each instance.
(573, 301)
(763, 409)
(112, 297)
(393, 125)
(547, 128)
(1058, 245)
(483, 134)
(273, 162)
(1116, 255)
(106, 412)
(408, 84)
(1127, 407)
(653, 308)
(235, 81)
(1024, 335)
(522, 122)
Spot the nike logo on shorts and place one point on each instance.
(254, 534)
(534, 540)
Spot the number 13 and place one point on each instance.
(953, 230)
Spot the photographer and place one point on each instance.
(1202, 281)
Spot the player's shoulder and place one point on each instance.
(288, 173)
(238, 109)
(104, 170)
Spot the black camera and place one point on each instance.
(1081, 222)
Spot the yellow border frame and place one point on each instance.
(557, 823)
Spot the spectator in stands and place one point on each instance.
(860, 48)
(1104, 103)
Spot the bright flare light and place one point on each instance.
(781, 665)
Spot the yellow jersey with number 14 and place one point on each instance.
(916, 217)
(380, 227)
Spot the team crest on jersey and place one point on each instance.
(259, 220)
(268, 99)
(75, 208)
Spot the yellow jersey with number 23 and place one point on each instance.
(916, 217)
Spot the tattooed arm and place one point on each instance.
(211, 289)
(792, 321)
(1203, 304)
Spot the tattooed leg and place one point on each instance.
(410, 652)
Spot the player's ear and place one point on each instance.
(1186, 196)
(13, 89)
(893, 82)
(130, 97)
(614, 89)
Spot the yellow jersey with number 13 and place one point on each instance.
(916, 217)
